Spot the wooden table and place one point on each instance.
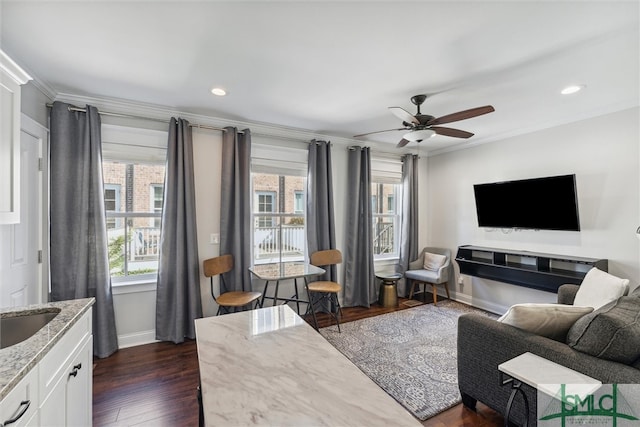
(269, 367)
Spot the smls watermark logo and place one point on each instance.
(615, 405)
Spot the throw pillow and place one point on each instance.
(433, 262)
(599, 288)
(548, 320)
(611, 332)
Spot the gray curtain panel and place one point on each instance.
(178, 295)
(408, 217)
(359, 284)
(79, 261)
(321, 233)
(235, 209)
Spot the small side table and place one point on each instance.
(388, 295)
(543, 375)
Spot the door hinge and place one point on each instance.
(40, 256)
(40, 164)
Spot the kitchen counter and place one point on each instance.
(16, 361)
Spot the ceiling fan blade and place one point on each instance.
(456, 133)
(379, 131)
(404, 115)
(462, 115)
(402, 143)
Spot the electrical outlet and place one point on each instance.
(214, 239)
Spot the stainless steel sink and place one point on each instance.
(16, 329)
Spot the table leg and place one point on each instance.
(295, 284)
(266, 284)
(275, 296)
(515, 385)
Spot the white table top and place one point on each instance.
(547, 376)
(269, 367)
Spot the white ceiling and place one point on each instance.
(335, 67)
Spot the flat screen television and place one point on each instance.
(548, 203)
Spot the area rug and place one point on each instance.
(410, 353)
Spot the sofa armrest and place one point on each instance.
(567, 293)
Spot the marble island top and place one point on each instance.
(269, 367)
(17, 360)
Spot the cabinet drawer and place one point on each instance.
(53, 364)
(22, 401)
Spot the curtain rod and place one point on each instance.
(131, 116)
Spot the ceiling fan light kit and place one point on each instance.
(419, 135)
(423, 126)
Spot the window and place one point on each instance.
(279, 233)
(133, 165)
(157, 195)
(265, 203)
(112, 203)
(278, 187)
(386, 191)
(298, 202)
(385, 220)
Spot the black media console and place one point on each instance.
(545, 272)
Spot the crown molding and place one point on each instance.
(13, 70)
(46, 89)
(265, 130)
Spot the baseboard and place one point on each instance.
(479, 303)
(137, 338)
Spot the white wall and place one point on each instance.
(603, 152)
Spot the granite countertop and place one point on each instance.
(17, 360)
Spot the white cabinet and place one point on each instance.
(80, 388)
(11, 78)
(20, 406)
(66, 378)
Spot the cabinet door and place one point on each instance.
(51, 413)
(80, 387)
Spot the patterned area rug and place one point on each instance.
(410, 353)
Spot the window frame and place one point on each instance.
(278, 161)
(394, 215)
(135, 146)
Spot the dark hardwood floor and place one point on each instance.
(155, 385)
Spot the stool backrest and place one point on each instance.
(218, 265)
(326, 257)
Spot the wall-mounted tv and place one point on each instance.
(548, 203)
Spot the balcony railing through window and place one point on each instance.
(384, 235)
(278, 237)
(134, 243)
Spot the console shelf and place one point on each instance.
(545, 272)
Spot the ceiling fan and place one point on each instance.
(423, 126)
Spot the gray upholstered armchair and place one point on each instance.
(440, 271)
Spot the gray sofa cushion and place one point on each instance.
(611, 332)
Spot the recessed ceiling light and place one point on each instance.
(571, 89)
(218, 91)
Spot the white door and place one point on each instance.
(20, 269)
